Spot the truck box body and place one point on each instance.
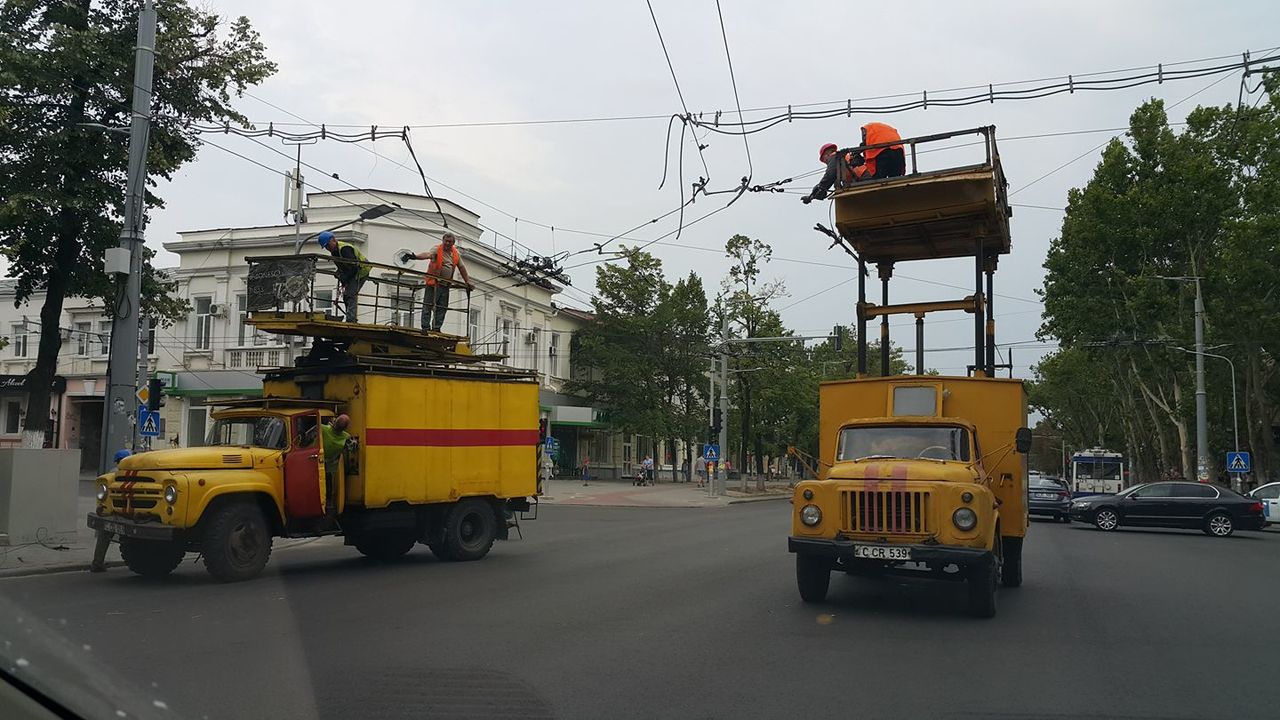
(431, 438)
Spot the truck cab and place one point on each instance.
(260, 474)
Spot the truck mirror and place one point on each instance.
(1022, 440)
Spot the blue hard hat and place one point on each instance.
(324, 237)
(121, 454)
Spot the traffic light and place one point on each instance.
(839, 333)
(155, 394)
(716, 421)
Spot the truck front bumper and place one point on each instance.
(125, 527)
(842, 551)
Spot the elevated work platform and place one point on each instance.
(370, 340)
(927, 215)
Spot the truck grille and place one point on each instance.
(887, 512)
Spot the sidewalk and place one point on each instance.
(668, 495)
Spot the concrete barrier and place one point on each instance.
(38, 495)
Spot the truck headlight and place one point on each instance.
(171, 494)
(964, 518)
(810, 515)
(102, 491)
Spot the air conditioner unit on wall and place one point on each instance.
(217, 309)
(531, 338)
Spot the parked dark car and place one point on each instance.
(1047, 496)
(1214, 510)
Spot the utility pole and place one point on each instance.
(724, 397)
(711, 415)
(1202, 402)
(119, 418)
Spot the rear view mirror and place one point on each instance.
(1022, 440)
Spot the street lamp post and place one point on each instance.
(1235, 414)
(1202, 404)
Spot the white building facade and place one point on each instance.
(213, 354)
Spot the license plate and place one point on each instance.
(1042, 496)
(881, 552)
(113, 527)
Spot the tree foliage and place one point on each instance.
(1160, 205)
(68, 63)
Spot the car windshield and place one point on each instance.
(264, 432)
(935, 442)
(1046, 482)
(1129, 491)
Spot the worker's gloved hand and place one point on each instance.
(806, 199)
(406, 257)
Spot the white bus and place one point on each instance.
(1096, 472)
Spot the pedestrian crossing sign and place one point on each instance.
(1239, 462)
(711, 452)
(148, 423)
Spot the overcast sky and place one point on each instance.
(419, 63)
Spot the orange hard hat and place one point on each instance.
(823, 150)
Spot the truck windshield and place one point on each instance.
(932, 442)
(264, 432)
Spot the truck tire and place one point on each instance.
(236, 543)
(982, 582)
(470, 530)
(385, 547)
(813, 577)
(150, 558)
(1011, 573)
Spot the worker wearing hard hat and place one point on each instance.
(353, 270)
(880, 162)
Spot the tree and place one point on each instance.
(1201, 203)
(67, 63)
(682, 318)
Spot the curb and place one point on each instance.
(53, 569)
(767, 498)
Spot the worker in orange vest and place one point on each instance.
(881, 162)
(444, 259)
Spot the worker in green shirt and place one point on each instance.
(333, 441)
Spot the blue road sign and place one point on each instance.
(148, 422)
(711, 452)
(1239, 462)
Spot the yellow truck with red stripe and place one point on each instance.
(439, 455)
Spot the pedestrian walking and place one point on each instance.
(646, 467)
(444, 259)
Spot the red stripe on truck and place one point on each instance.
(449, 437)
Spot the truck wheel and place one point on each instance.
(385, 547)
(813, 577)
(149, 558)
(470, 530)
(236, 543)
(1011, 573)
(982, 589)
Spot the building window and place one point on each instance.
(535, 360)
(151, 338)
(104, 338)
(204, 323)
(323, 300)
(84, 338)
(473, 325)
(553, 355)
(246, 334)
(12, 416)
(504, 336)
(20, 340)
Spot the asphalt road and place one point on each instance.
(640, 612)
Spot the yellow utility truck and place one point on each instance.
(920, 474)
(442, 451)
